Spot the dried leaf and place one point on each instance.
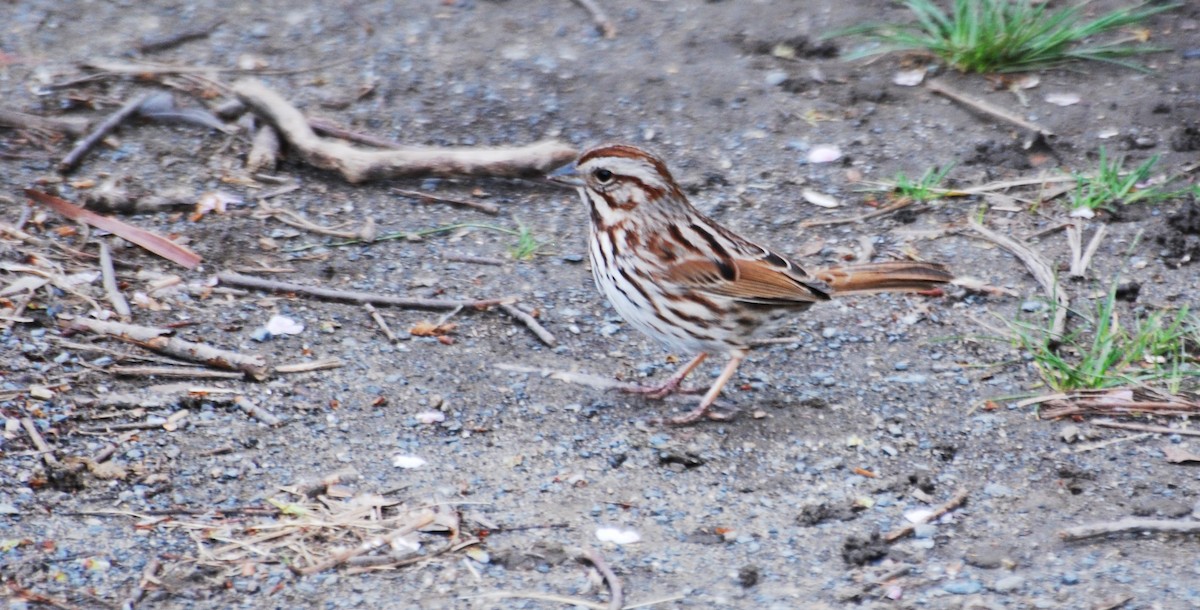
(150, 241)
(1063, 99)
(824, 154)
(820, 199)
(429, 329)
(909, 78)
(1179, 455)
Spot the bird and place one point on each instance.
(692, 284)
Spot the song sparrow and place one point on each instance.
(690, 283)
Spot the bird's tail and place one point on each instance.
(898, 276)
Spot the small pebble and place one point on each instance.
(1008, 584)
(963, 587)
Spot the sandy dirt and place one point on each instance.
(881, 407)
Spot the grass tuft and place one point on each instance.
(1159, 348)
(1111, 185)
(1008, 35)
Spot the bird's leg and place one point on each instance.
(702, 410)
(671, 385)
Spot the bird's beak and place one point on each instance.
(565, 176)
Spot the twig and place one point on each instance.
(379, 321)
(478, 260)
(120, 305)
(1109, 442)
(1105, 423)
(1041, 270)
(1122, 526)
(327, 127)
(153, 338)
(531, 323)
(354, 296)
(107, 125)
(148, 576)
(478, 205)
(264, 150)
(960, 496)
(188, 372)
(603, 23)
(162, 43)
(1081, 258)
(39, 442)
(307, 367)
(424, 518)
(941, 88)
(312, 489)
(255, 411)
(616, 595)
(357, 165)
(366, 233)
(72, 126)
(887, 209)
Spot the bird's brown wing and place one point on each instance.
(761, 281)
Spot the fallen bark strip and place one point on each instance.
(155, 339)
(188, 372)
(72, 126)
(354, 296)
(1041, 270)
(107, 125)
(264, 150)
(357, 165)
(960, 496)
(1123, 526)
(941, 88)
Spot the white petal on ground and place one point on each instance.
(820, 199)
(824, 153)
(918, 515)
(283, 325)
(909, 78)
(431, 417)
(617, 536)
(1063, 99)
(408, 461)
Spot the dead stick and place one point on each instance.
(887, 209)
(1104, 423)
(616, 595)
(39, 442)
(162, 43)
(379, 321)
(960, 496)
(107, 125)
(327, 127)
(120, 305)
(356, 165)
(531, 323)
(1122, 526)
(72, 126)
(354, 296)
(264, 150)
(478, 260)
(424, 518)
(257, 412)
(478, 205)
(1041, 271)
(188, 372)
(307, 367)
(941, 88)
(153, 338)
(606, 26)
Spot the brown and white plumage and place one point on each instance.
(688, 282)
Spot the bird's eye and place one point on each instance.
(603, 176)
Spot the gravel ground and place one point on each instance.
(878, 410)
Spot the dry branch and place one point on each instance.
(120, 305)
(960, 496)
(264, 150)
(486, 208)
(531, 323)
(72, 126)
(985, 107)
(156, 339)
(606, 26)
(103, 129)
(357, 165)
(353, 296)
(616, 595)
(1041, 270)
(1123, 526)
